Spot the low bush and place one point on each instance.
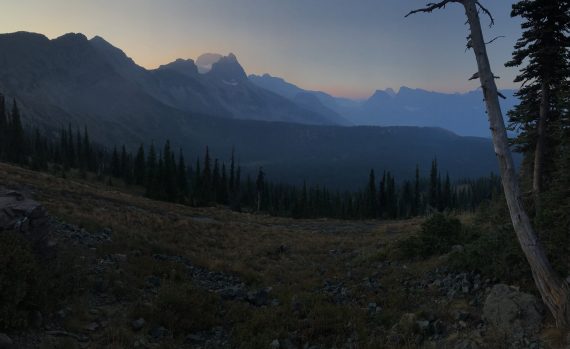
(495, 253)
(438, 234)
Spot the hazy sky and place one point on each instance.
(345, 47)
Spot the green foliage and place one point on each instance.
(438, 234)
(19, 282)
(495, 253)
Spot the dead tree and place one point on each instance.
(553, 289)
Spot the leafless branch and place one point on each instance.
(495, 38)
(430, 7)
(487, 12)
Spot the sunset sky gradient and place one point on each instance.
(347, 48)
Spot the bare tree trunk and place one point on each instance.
(552, 288)
(540, 145)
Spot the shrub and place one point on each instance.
(495, 253)
(438, 234)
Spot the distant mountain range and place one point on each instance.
(462, 113)
(294, 134)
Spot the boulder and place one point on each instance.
(22, 214)
(512, 313)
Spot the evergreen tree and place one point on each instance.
(139, 166)
(542, 52)
(3, 128)
(17, 142)
(371, 194)
(182, 178)
(432, 195)
(417, 194)
(259, 185)
(115, 164)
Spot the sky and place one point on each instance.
(348, 48)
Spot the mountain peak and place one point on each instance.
(184, 66)
(390, 92)
(228, 69)
(72, 37)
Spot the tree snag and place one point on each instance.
(553, 289)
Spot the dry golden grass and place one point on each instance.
(294, 257)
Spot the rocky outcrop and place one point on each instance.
(512, 313)
(22, 214)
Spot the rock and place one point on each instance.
(466, 344)
(5, 341)
(462, 315)
(275, 344)
(407, 322)
(373, 308)
(21, 214)
(152, 281)
(511, 312)
(138, 324)
(120, 257)
(457, 249)
(92, 327)
(423, 326)
(287, 344)
(259, 298)
(157, 333)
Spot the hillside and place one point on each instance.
(148, 274)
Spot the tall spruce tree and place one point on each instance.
(542, 52)
(16, 137)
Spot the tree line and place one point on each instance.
(165, 175)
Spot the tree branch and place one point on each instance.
(430, 7)
(487, 12)
(495, 38)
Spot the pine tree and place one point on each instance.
(139, 166)
(417, 193)
(231, 183)
(224, 186)
(542, 52)
(151, 170)
(182, 178)
(3, 128)
(259, 186)
(115, 164)
(16, 136)
(371, 196)
(432, 195)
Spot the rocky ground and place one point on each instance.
(143, 274)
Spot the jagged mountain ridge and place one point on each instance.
(90, 83)
(462, 113)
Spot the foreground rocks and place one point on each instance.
(512, 313)
(22, 214)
